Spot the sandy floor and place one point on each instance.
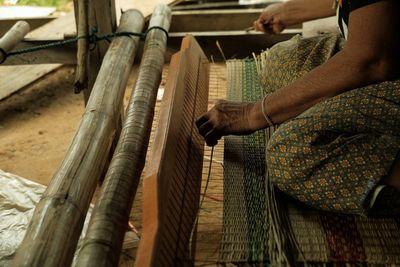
(37, 126)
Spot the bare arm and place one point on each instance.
(281, 15)
(371, 55)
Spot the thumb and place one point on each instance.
(277, 27)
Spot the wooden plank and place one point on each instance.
(171, 187)
(13, 78)
(15, 11)
(221, 5)
(35, 23)
(56, 29)
(216, 20)
(57, 222)
(56, 55)
(213, 20)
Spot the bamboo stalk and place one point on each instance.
(57, 222)
(83, 46)
(103, 242)
(11, 38)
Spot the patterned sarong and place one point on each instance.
(332, 155)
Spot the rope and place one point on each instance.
(93, 39)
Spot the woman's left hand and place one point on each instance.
(226, 118)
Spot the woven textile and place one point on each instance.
(244, 219)
(312, 236)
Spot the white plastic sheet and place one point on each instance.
(18, 197)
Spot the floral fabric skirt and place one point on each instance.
(332, 156)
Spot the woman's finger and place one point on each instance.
(201, 120)
(212, 137)
(205, 128)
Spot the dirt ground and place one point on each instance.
(37, 125)
(34, 135)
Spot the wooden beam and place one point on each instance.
(213, 20)
(103, 242)
(250, 42)
(216, 20)
(57, 222)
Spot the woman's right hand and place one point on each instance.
(226, 118)
(272, 19)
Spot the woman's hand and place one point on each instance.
(272, 19)
(276, 17)
(226, 118)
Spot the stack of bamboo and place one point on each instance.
(53, 233)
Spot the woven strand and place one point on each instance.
(267, 118)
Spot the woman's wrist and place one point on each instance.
(257, 120)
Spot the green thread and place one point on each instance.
(93, 39)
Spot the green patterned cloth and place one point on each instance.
(245, 211)
(334, 154)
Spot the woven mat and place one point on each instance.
(244, 218)
(321, 237)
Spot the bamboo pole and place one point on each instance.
(83, 45)
(11, 38)
(57, 222)
(103, 241)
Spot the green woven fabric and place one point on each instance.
(245, 226)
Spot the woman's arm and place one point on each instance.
(276, 17)
(371, 54)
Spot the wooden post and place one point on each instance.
(13, 37)
(83, 46)
(102, 17)
(103, 242)
(57, 222)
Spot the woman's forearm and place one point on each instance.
(366, 59)
(298, 11)
(341, 73)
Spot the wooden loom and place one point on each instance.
(172, 184)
